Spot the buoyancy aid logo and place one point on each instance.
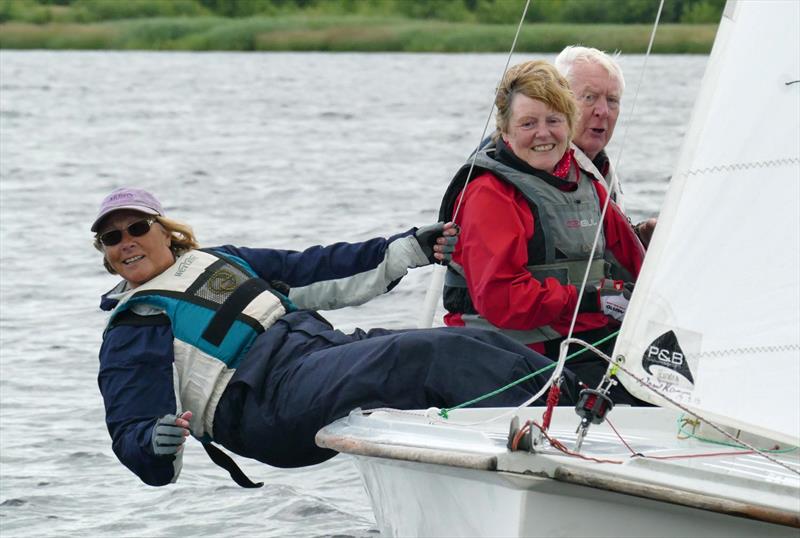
(581, 223)
(184, 264)
(665, 352)
(223, 281)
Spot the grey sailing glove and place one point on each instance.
(438, 241)
(167, 437)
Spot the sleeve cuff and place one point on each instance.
(416, 255)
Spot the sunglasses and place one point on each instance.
(135, 229)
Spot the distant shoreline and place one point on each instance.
(348, 34)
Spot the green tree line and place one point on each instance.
(468, 11)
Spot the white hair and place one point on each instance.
(573, 54)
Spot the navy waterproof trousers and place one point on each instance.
(302, 374)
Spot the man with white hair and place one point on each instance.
(598, 84)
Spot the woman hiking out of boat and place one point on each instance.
(225, 342)
(528, 219)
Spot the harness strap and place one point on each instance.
(570, 272)
(226, 462)
(208, 273)
(129, 317)
(224, 317)
(566, 272)
(544, 333)
(454, 277)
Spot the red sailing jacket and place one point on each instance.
(496, 226)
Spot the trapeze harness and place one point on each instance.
(217, 306)
(568, 222)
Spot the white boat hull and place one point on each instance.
(412, 499)
(475, 487)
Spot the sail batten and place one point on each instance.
(714, 321)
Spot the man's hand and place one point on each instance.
(438, 241)
(644, 231)
(169, 434)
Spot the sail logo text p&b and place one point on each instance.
(666, 352)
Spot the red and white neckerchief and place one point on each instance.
(562, 168)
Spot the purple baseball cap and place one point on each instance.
(126, 198)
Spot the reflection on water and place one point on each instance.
(280, 150)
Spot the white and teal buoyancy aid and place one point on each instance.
(568, 222)
(217, 305)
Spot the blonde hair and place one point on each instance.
(182, 239)
(182, 236)
(538, 80)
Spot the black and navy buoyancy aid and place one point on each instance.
(567, 222)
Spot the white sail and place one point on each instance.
(715, 318)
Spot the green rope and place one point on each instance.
(683, 421)
(444, 412)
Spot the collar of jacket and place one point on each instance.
(602, 162)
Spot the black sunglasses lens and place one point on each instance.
(111, 238)
(139, 228)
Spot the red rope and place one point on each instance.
(518, 437)
(621, 439)
(710, 454)
(679, 456)
(552, 401)
(558, 445)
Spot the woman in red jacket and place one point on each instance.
(529, 217)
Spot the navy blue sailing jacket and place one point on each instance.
(136, 373)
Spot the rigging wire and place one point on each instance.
(569, 339)
(443, 412)
(559, 367)
(646, 384)
(563, 351)
(491, 110)
(440, 416)
(437, 279)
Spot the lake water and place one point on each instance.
(278, 149)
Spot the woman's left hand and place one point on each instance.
(169, 433)
(438, 241)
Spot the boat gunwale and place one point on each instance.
(700, 501)
(586, 477)
(359, 447)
